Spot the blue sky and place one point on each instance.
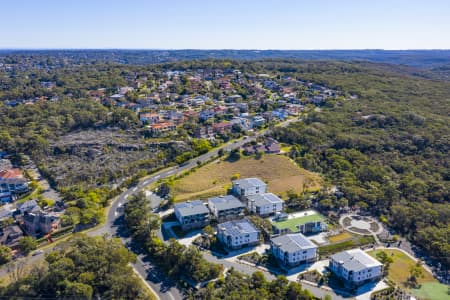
(225, 24)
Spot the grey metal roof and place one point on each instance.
(27, 204)
(226, 202)
(238, 227)
(190, 208)
(249, 182)
(293, 242)
(264, 199)
(355, 260)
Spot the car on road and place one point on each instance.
(38, 252)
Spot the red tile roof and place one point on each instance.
(11, 173)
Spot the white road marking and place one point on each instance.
(147, 182)
(134, 190)
(170, 172)
(157, 176)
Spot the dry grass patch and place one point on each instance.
(340, 237)
(399, 269)
(281, 174)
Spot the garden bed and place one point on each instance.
(327, 250)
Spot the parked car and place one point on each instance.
(38, 252)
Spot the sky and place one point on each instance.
(225, 24)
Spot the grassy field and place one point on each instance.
(399, 269)
(281, 174)
(292, 223)
(340, 237)
(432, 291)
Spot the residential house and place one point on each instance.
(204, 132)
(318, 99)
(5, 164)
(295, 109)
(226, 207)
(48, 84)
(242, 106)
(117, 97)
(248, 186)
(40, 223)
(191, 214)
(28, 207)
(258, 121)
(190, 115)
(280, 114)
(222, 127)
(272, 146)
(197, 101)
(224, 83)
(174, 116)
(6, 211)
(233, 99)
(149, 118)
(206, 114)
(125, 89)
(264, 204)
(355, 267)
(10, 236)
(220, 110)
(242, 122)
(97, 94)
(161, 128)
(12, 182)
(293, 249)
(237, 234)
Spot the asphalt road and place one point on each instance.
(114, 221)
(164, 288)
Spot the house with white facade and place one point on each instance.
(249, 186)
(191, 214)
(264, 204)
(355, 267)
(293, 249)
(238, 234)
(225, 208)
(12, 182)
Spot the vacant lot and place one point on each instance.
(399, 269)
(278, 171)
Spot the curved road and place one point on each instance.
(158, 283)
(165, 289)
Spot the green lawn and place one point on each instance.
(294, 222)
(433, 291)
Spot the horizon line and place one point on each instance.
(224, 49)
